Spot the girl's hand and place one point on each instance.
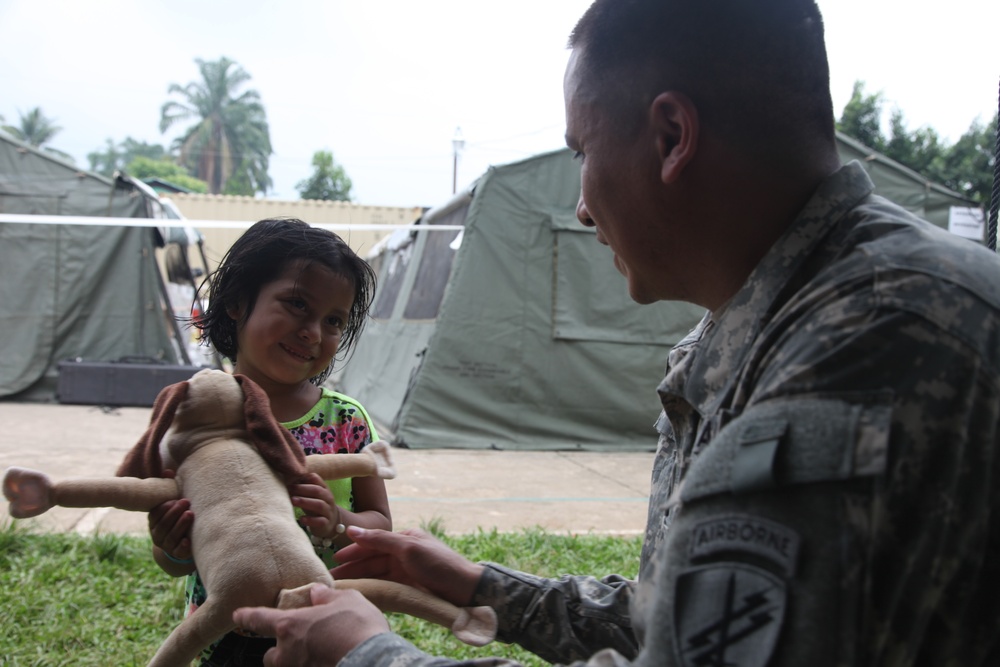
(170, 526)
(314, 497)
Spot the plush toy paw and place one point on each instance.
(295, 598)
(29, 492)
(476, 626)
(380, 451)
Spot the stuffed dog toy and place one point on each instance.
(233, 461)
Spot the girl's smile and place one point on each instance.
(304, 355)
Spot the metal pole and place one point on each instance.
(991, 235)
(457, 144)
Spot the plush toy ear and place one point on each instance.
(143, 460)
(278, 447)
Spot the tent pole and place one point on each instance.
(216, 358)
(170, 316)
(995, 196)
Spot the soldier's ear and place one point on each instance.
(675, 122)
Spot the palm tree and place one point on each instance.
(36, 130)
(230, 139)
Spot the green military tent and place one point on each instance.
(931, 201)
(516, 331)
(68, 290)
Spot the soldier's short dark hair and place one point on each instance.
(756, 69)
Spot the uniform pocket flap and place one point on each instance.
(796, 441)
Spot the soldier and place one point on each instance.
(825, 480)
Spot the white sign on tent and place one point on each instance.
(966, 221)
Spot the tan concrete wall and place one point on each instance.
(250, 209)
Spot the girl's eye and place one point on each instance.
(578, 155)
(297, 303)
(335, 322)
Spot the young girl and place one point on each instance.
(285, 299)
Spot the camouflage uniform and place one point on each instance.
(826, 467)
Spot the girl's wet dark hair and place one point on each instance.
(260, 256)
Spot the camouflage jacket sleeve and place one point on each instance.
(389, 650)
(560, 620)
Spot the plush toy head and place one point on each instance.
(211, 405)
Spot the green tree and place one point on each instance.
(328, 181)
(862, 118)
(967, 167)
(230, 135)
(143, 167)
(116, 157)
(37, 129)
(920, 150)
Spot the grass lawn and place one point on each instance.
(98, 601)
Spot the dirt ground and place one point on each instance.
(462, 490)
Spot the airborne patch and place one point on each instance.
(727, 614)
(741, 532)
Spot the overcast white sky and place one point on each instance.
(385, 83)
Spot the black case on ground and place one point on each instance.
(126, 383)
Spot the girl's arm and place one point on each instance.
(372, 504)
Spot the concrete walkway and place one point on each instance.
(463, 490)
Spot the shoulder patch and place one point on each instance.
(746, 533)
(727, 614)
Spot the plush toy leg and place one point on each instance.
(476, 626)
(32, 492)
(193, 635)
(375, 460)
(125, 493)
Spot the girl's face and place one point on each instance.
(295, 327)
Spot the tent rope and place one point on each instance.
(995, 196)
